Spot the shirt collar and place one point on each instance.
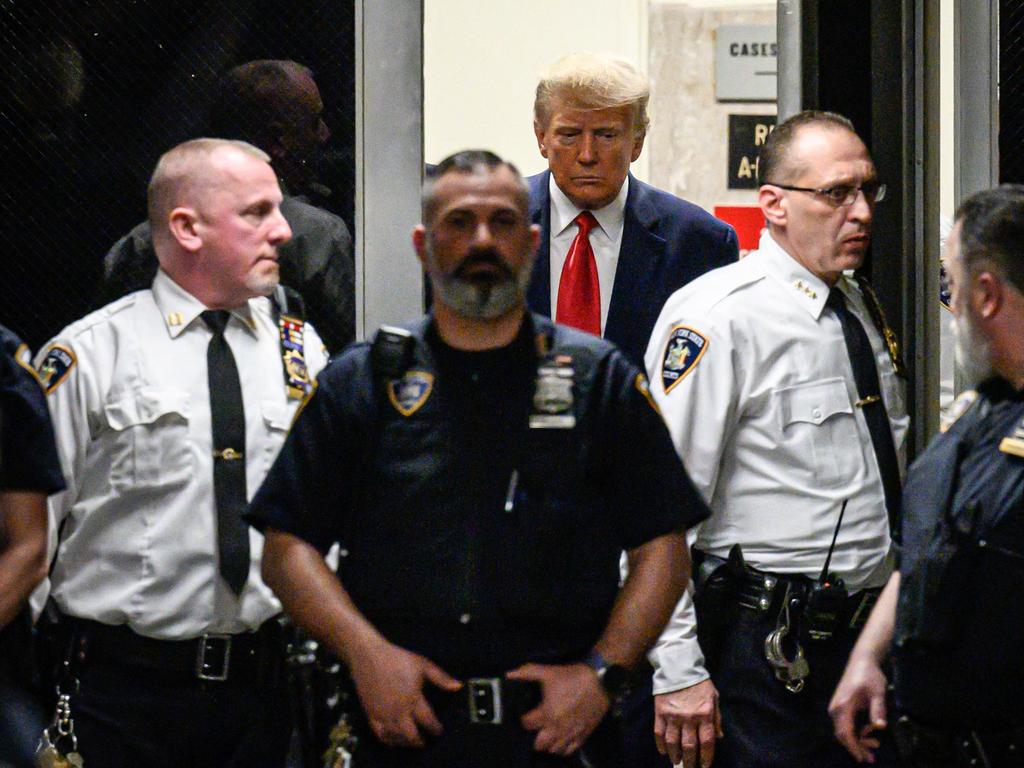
(179, 308)
(610, 218)
(806, 289)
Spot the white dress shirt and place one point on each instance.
(605, 240)
(767, 426)
(132, 419)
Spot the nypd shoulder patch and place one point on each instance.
(645, 389)
(684, 349)
(409, 393)
(56, 365)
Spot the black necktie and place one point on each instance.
(227, 417)
(865, 375)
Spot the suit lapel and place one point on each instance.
(539, 293)
(640, 258)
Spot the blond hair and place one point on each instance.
(591, 81)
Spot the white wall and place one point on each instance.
(482, 59)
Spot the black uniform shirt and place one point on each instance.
(467, 535)
(959, 640)
(28, 453)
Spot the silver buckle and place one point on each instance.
(208, 668)
(484, 700)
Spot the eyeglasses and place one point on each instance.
(844, 194)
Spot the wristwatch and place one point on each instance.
(614, 678)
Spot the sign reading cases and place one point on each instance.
(746, 59)
(747, 134)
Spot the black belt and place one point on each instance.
(922, 745)
(486, 701)
(763, 591)
(251, 657)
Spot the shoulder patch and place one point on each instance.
(409, 393)
(56, 365)
(23, 357)
(956, 409)
(645, 389)
(684, 349)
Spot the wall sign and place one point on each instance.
(747, 134)
(745, 62)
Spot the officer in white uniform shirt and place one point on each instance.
(174, 636)
(753, 368)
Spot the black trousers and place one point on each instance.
(636, 724)
(131, 717)
(765, 725)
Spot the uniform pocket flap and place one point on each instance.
(146, 406)
(277, 415)
(814, 402)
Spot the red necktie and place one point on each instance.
(579, 292)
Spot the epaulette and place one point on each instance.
(719, 284)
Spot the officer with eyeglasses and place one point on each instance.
(781, 385)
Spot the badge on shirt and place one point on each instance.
(640, 382)
(683, 351)
(552, 394)
(55, 367)
(293, 355)
(409, 393)
(1013, 443)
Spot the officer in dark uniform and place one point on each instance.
(29, 471)
(482, 471)
(952, 614)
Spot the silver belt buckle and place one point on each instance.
(484, 700)
(208, 666)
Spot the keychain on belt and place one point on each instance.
(58, 745)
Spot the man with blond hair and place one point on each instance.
(169, 406)
(612, 248)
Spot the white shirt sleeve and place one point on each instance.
(700, 409)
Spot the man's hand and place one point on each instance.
(861, 688)
(686, 724)
(390, 683)
(572, 705)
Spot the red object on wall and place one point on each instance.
(747, 220)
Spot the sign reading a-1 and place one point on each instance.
(745, 62)
(747, 134)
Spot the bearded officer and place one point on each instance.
(483, 472)
(951, 617)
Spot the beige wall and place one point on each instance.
(689, 135)
(482, 59)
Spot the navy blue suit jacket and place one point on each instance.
(666, 243)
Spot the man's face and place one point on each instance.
(589, 151)
(241, 227)
(825, 237)
(973, 353)
(303, 130)
(478, 250)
